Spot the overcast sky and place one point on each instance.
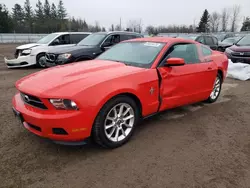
(155, 12)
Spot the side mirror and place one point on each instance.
(175, 62)
(56, 42)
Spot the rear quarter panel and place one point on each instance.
(222, 62)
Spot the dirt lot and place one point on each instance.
(198, 146)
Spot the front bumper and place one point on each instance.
(75, 125)
(237, 59)
(21, 61)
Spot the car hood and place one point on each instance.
(69, 80)
(28, 46)
(225, 44)
(240, 48)
(70, 49)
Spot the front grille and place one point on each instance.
(50, 57)
(241, 54)
(33, 101)
(59, 131)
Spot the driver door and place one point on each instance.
(181, 85)
(110, 41)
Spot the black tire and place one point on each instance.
(38, 57)
(98, 130)
(213, 99)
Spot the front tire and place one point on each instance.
(216, 89)
(116, 121)
(41, 60)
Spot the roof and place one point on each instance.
(63, 33)
(163, 39)
(125, 32)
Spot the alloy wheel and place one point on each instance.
(119, 122)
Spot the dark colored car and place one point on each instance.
(240, 52)
(227, 43)
(205, 39)
(89, 48)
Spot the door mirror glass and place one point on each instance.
(175, 62)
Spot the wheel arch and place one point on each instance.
(129, 94)
(220, 72)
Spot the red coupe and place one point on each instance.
(105, 98)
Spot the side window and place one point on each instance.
(209, 40)
(63, 39)
(75, 38)
(200, 40)
(188, 52)
(111, 40)
(127, 37)
(206, 51)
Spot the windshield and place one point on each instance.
(245, 41)
(229, 40)
(140, 54)
(48, 38)
(92, 40)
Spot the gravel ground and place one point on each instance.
(198, 146)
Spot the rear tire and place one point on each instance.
(115, 123)
(41, 60)
(216, 90)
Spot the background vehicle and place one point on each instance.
(105, 97)
(227, 43)
(223, 36)
(89, 48)
(240, 52)
(205, 39)
(34, 53)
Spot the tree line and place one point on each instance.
(44, 18)
(47, 18)
(225, 21)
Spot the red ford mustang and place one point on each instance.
(106, 97)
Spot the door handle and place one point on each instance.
(209, 68)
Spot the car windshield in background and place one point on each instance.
(47, 39)
(140, 54)
(245, 41)
(229, 40)
(92, 40)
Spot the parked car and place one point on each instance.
(89, 48)
(205, 39)
(223, 36)
(106, 97)
(227, 43)
(240, 52)
(34, 53)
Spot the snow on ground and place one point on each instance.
(239, 71)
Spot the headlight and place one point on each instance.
(64, 56)
(26, 52)
(229, 51)
(64, 104)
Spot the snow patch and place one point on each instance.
(239, 71)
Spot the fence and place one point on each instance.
(20, 37)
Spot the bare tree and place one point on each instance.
(235, 17)
(135, 25)
(215, 21)
(225, 18)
